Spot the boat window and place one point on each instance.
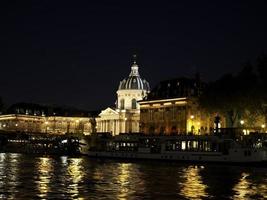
(183, 145)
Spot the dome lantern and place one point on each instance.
(134, 81)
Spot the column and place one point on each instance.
(114, 127)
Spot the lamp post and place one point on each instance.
(263, 127)
(54, 124)
(192, 122)
(242, 122)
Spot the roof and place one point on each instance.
(176, 88)
(49, 110)
(134, 81)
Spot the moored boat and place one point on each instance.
(192, 148)
(39, 144)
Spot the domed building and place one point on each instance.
(126, 116)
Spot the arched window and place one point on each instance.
(133, 103)
(122, 103)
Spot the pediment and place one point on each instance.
(108, 111)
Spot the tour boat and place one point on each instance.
(192, 148)
(39, 144)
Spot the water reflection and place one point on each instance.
(29, 177)
(2, 157)
(9, 172)
(247, 189)
(76, 173)
(64, 161)
(127, 181)
(123, 180)
(193, 186)
(45, 173)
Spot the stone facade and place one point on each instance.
(126, 116)
(172, 117)
(172, 108)
(35, 118)
(49, 124)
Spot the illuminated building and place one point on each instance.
(33, 118)
(172, 108)
(126, 116)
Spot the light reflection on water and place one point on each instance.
(45, 173)
(128, 181)
(193, 186)
(123, 180)
(9, 169)
(246, 189)
(29, 177)
(76, 174)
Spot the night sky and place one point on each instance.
(76, 52)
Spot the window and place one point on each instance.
(122, 103)
(133, 103)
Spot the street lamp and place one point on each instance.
(192, 123)
(263, 127)
(242, 122)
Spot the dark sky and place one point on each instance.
(76, 52)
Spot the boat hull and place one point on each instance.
(198, 157)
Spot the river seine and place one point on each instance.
(33, 177)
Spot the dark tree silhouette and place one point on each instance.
(235, 97)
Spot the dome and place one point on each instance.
(134, 81)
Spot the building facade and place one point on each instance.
(172, 108)
(49, 124)
(33, 118)
(125, 117)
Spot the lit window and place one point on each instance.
(183, 145)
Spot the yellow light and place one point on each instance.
(144, 106)
(193, 186)
(263, 126)
(192, 116)
(242, 122)
(180, 102)
(168, 103)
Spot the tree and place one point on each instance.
(262, 71)
(235, 97)
(218, 97)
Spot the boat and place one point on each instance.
(39, 144)
(189, 148)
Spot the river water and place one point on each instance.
(33, 177)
